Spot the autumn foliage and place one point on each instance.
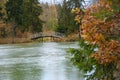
(101, 26)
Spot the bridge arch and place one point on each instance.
(43, 35)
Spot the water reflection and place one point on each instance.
(25, 72)
(37, 61)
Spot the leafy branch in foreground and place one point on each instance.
(82, 59)
(100, 26)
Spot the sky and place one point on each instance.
(58, 1)
(51, 1)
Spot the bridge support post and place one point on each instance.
(42, 39)
(51, 39)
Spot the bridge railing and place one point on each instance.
(36, 35)
(50, 34)
(59, 34)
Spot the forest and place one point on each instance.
(18, 17)
(21, 18)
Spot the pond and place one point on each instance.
(38, 61)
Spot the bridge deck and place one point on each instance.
(43, 35)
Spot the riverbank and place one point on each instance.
(69, 38)
(14, 40)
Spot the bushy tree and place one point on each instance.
(101, 30)
(24, 14)
(32, 10)
(2, 19)
(2, 11)
(66, 23)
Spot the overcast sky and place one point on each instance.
(51, 1)
(58, 1)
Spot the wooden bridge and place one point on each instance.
(42, 35)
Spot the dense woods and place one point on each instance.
(19, 17)
(66, 23)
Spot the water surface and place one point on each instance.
(37, 61)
